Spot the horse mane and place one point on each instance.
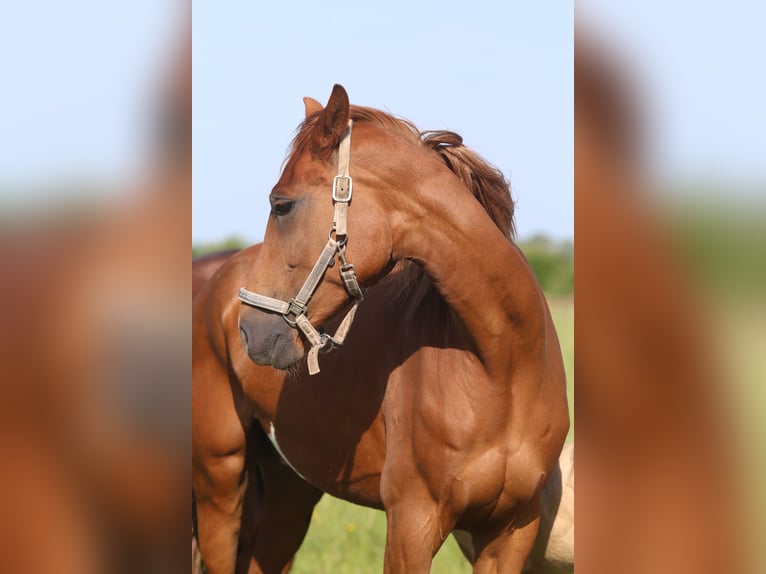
(485, 182)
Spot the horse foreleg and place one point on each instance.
(413, 536)
(285, 507)
(506, 552)
(220, 484)
(218, 462)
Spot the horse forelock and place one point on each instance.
(485, 182)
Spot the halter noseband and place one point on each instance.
(294, 310)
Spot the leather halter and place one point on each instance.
(294, 310)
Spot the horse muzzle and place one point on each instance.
(269, 340)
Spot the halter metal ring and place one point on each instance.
(327, 344)
(340, 241)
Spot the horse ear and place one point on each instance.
(312, 106)
(331, 122)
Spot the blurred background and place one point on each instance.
(670, 196)
(95, 221)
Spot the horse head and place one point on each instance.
(328, 232)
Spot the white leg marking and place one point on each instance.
(272, 434)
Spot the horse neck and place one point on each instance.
(475, 268)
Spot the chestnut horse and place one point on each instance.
(447, 405)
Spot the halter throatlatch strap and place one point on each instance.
(294, 310)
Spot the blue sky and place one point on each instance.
(76, 86)
(77, 80)
(500, 75)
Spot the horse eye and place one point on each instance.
(282, 207)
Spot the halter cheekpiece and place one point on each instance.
(294, 310)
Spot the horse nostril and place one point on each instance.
(243, 337)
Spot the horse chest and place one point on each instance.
(332, 464)
(272, 434)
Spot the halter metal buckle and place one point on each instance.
(342, 188)
(295, 308)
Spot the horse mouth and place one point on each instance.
(287, 361)
(277, 349)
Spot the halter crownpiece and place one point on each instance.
(294, 310)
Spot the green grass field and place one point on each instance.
(349, 539)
